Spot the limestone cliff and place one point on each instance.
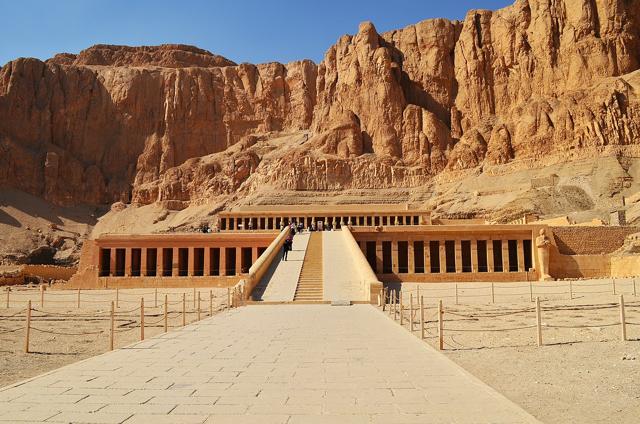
(537, 83)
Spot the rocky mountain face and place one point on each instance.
(537, 83)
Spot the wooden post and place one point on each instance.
(634, 292)
(493, 294)
(166, 313)
(194, 298)
(613, 283)
(417, 293)
(41, 295)
(78, 298)
(210, 303)
(530, 291)
(228, 297)
(623, 321)
(142, 318)
(411, 312)
(401, 309)
(456, 293)
(117, 297)
(155, 301)
(111, 327)
(27, 332)
(9, 290)
(421, 318)
(538, 322)
(199, 306)
(184, 309)
(440, 326)
(570, 290)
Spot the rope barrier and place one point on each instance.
(580, 326)
(67, 334)
(479, 330)
(21, 311)
(12, 331)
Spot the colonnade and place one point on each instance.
(190, 261)
(274, 222)
(447, 255)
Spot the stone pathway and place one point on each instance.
(340, 281)
(280, 281)
(266, 364)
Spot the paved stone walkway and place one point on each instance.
(266, 364)
(338, 269)
(280, 282)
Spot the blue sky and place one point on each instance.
(241, 30)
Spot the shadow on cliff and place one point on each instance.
(7, 219)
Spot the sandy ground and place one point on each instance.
(580, 375)
(50, 351)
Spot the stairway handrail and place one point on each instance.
(262, 264)
(369, 280)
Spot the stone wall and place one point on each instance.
(590, 240)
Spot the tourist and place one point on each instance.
(287, 246)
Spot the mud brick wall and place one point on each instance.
(590, 240)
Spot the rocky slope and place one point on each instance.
(422, 109)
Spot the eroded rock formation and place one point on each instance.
(537, 82)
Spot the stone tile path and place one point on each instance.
(266, 364)
(340, 281)
(280, 281)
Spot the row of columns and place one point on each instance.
(175, 261)
(442, 256)
(275, 222)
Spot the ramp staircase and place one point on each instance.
(309, 286)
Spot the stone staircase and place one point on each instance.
(310, 282)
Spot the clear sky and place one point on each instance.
(242, 30)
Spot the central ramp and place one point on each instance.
(266, 364)
(311, 277)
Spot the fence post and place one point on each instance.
(456, 293)
(570, 290)
(634, 291)
(440, 326)
(613, 284)
(41, 295)
(210, 303)
(411, 312)
(401, 309)
(228, 297)
(493, 296)
(27, 328)
(530, 291)
(9, 290)
(166, 312)
(623, 321)
(538, 322)
(184, 309)
(117, 297)
(111, 328)
(194, 298)
(199, 306)
(421, 318)
(142, 318)
(155, 301)
(78, 298)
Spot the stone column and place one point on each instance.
(112, 262)
(223, 261)
(490, 264)
(127, 262)
(458, 249)
(143, 261)
(238, 260)
(411, 261)
(474, 255)
(379, 256)
(443, 256)
(207, 261)
(427, 256)
(394, 256)
(159, 262)
(191, 260)
(520, 245)
(505, 255)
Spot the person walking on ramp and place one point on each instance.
(286, 247)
